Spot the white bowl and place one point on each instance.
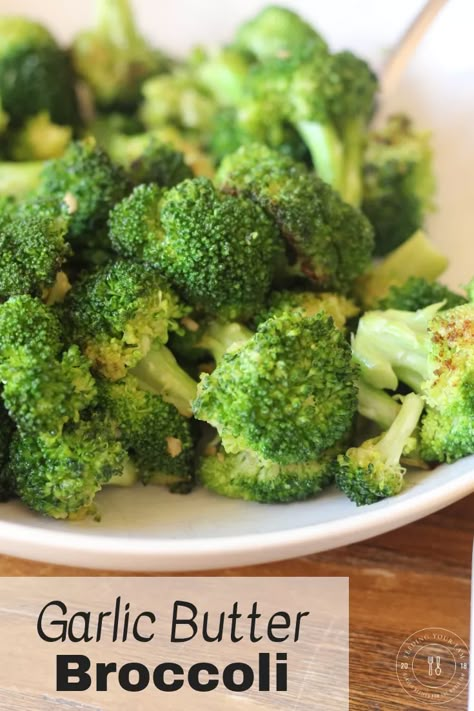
(150, 529)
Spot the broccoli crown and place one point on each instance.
(40, 139)
(117, 312)
(417, 293)
(277, 31)
(29, 327)
(373, 470)
(32, 250)
(177, 99)
(113, 57)
(399, 182)
(156, 436)
(35, 74)
(219, 251)
(351, 88)
(245, 475)
(135, 229)
(90, 184)
(332, 240)
(288, 393)
(152, 161)
(42, 394)
(6, 432)
(224, 74)
(309, 304)
(447, 434)
(59, 477)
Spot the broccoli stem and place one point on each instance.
(353, 142)
(393, 442)
(159, 373)
(18, 179)
(417, 257)
(377, 405)
(220, 338)
(325, 149)
(114, 19)
(128, 477)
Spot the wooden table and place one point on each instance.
(416, 577)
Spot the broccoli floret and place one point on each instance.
(32, 251)
(177, 99)
(223, 73)
(309, 303)
(245, 475)
(277, 31)
(332, 241)
(35, 74)
(288, 393)
(60, 476)
(194, 155)
(417, 257)
(399, 182)
(218, 251)
(117, 312)
(89, 183)
(373, 471)
(206, 338)
(432, 353)
(149, 160)
(114, 58)
(19, 179)
(45, 386)
(156, 436)
(417, 293)
(6, 432)
(40, 139)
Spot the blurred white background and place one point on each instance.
(438, 88)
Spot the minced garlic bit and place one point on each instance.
(71, 203)
(175, 446)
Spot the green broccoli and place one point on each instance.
(156, 436)
(277, 32)
(287, 394)
(113, 58)
(32, 250)
(206, 337)
(399, 182)
(417, 293)
(309, 303)
(376, 405)
(89, 183)
(417, 257)
(60, 476)
(223, 73)
(373, 471)
(220, 252)
(117, 312)
(40, 139)
(332, 241)
(432, 353)
(19, 179)
(44, 385)
(246, 475)
(35, 74)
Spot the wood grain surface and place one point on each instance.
(416, 577)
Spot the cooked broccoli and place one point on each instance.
(432, 353)
(194, 155)
(377, 405)
(309, 303)
(35, 74)
(223, 73)
(19, 179)
(113, 58)
(117, 312)
(245, 475)
(417, 293)
(148, 159)
(89, 183)
(373, 470)
(60, 476)
(40, 139)
(45, 386)
(399, 182)
(332, 241)
(287, 394)
(207, 337)
(156, 436)
(219, 251)
(278, 32)
(32, 251)
(6, 432)
(417, 257)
